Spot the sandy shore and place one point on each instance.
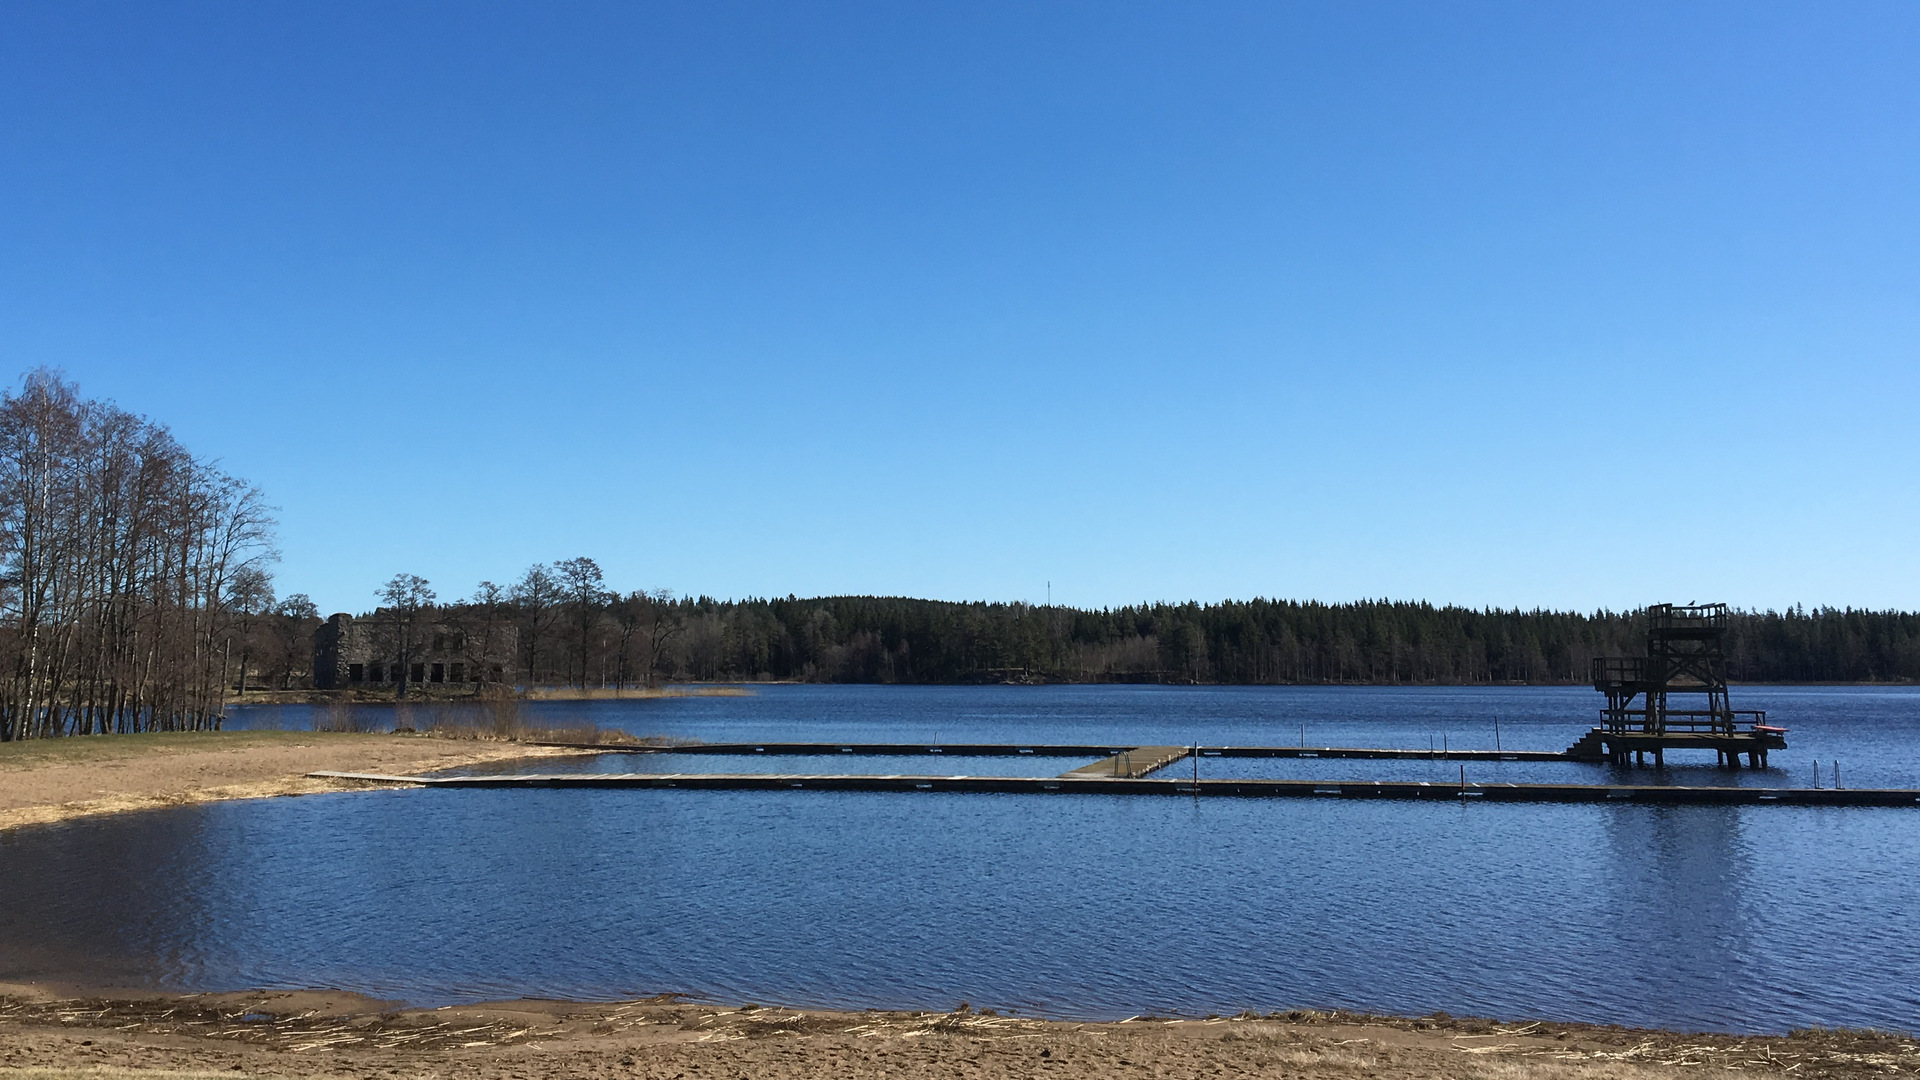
(56, 779)
(317, 1034)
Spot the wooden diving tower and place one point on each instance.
(1684, 658)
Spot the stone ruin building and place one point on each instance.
(351, 653)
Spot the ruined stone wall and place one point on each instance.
(367, 652)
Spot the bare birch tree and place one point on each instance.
(124, 562)
(584, 586)
(536, 594)
(406, 596)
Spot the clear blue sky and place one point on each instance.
(1526, 304)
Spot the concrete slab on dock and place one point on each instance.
(1658, 795)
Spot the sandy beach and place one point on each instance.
(45, 1031)
(57, 779)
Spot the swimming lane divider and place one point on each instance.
(1657, 795)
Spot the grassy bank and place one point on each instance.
(99, 749)
(574, 693)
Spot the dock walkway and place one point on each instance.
(1098, 785)
(1098, 750)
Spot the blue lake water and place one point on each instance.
(1743, 918)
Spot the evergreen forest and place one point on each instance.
(572, 632)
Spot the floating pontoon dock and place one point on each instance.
(1078, 783)
(1101, 750)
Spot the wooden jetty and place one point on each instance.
(1135, 763)
(1612, 794)
(1625, 746)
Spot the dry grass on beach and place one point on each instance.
(632, 693)
(315, 1035)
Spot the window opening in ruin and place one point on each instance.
(439, 673)
(439, 643)
(418, 673)
(356, 672)
(376, 674)
(459, 673)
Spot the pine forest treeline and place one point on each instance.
(573, 631)
(130, 570)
